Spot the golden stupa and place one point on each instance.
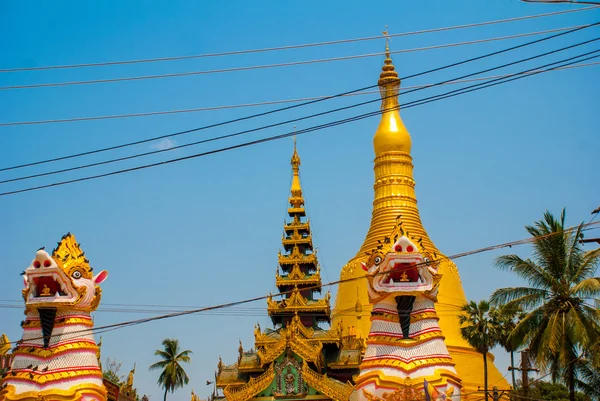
(395, 196)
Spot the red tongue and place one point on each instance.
(46, 286)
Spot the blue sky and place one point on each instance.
(207, 230)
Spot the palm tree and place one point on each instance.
(560, 324)
(173, 375)
(507, 321)
(479, 328)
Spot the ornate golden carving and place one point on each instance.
(78, 392)
(57, 376)
(66, 321)
(297, 302)
(254, 386)
(332, 388)
(69, 256)
(404, 393)
(399, 341)
(393, 318)
(55, 351)
(404, 366)
(268, 354)
(296, 257)
(4, 344)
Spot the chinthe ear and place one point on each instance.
(100, 277)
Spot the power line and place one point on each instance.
(115, 326)
(289, 47)
(419, 102)
(491, 54)
(529, 72)
(290, 121)
(278, 65)
(243, 105)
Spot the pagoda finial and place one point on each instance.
(391, 135)
(387, 42)
(388, 76)
(296, 200)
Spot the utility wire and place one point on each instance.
(491, 54)
(299, 118)
(420, 102)
(528, 73)
(277, 65)
(332, 283)
(269, 49)
(243, 105)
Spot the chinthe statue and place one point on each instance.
(406, 357)
(56, 359)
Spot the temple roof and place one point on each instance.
(300, 278)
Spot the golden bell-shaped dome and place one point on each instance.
(395, 201)
(391, 135)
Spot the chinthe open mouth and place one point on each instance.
(402, 272)
(47, 287)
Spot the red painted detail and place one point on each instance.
(47, 263)
(409, 248)
(398, 248)
(36, 263)
(101, 277)
(406, 360)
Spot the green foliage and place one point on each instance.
(543, 390)
(560, 325)
(111, 371)
(172, 375)
(480, 327)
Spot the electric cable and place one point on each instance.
(453, 93)
(329, 284)
(279, 48)
(491, 54)
(476, 86)
(242, 105)
(277, 65)
(268, 139)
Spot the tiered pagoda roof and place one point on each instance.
(297, 358)
(300, 279)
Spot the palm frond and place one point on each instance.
(172, 376)
(523, 298)
(526, 269)
(588, 288)
(158, 365)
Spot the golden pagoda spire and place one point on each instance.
(298, 263)
(391, 135)
(296, 188)
(395, 202)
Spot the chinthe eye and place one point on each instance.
(377, 260)
(427, 262)
(76, 274)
